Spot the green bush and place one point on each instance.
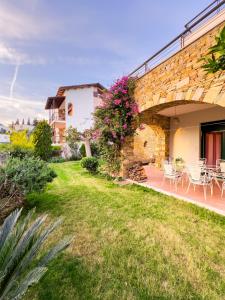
(82, 150)
(90, 163)
(56, 147)
(57, 160)
(94, 150)
(5, 147)
(19, 152)
(42, 138)
(27, 175)
(56, 151)
(20, 242)
(22, 139)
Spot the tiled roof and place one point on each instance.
(62, 89)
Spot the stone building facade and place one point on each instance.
(179, 80)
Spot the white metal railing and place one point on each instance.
(211, 16)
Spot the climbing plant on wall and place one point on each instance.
(215, 59)
(114, 120)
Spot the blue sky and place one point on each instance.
(46, 44)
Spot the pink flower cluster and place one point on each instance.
(120, 86)
(117, 111)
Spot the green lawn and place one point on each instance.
(130, 243)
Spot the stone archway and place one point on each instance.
(150, 144)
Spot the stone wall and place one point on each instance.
(178, 80)
(181, 77)
(150, 142)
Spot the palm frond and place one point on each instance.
(55, 251)
(21, 241)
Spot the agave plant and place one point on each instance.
(20, 242)
(215, 59)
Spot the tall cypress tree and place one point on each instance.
(42, 140)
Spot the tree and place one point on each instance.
(86, 137)
(42, 137)
(35, 122)
(28, 121)
(72, 139)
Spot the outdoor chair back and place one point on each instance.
(195, 173)
(198, 177)
(168, 169)
(220, 164)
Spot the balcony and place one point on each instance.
(57, 116)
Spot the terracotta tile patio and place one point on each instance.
(214, 203)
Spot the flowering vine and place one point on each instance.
(114, 120)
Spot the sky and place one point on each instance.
(45, 44)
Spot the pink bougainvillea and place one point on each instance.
(118, 109)
(114, 119)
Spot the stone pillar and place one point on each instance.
(127, 155)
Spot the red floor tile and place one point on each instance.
(155, 180)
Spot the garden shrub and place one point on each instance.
(22, 139)
(73, 138)
(94, 150)
(57, 159)
(5, 148)
(42, 137)
(90, 163)
(82, 150)
(28, 174)
(20, 152)
(18, 177)
(56, 151)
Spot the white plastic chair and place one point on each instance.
(197, 177)
(170, 173)
(220, 165)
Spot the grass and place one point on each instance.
(130, 242)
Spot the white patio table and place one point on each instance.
(215, 173)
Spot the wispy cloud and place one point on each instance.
(9, 55)
(22, 23)
(11, 89)
(19, 108)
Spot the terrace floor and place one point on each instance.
(155, 182)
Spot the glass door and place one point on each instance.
(213, 147)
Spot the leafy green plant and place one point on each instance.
(21, 152)
(57, 159)
(95, 151)
(28, 174)
(56, 151)
(42, 138)
(5, 148)
(73, 137)
(22, 139)
(90, 163)
(20, 243)
(215, 59)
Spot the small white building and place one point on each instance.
(73, 106)
(4, 138)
